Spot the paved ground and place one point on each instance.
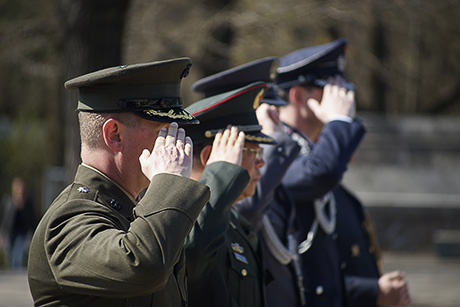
(433, 281)
(14, 290)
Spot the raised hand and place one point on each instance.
(227, 146)
(268, 117)
(336, 101)
(172, 153)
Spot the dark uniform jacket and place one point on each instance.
(271, 198)
(223, 253)
(311, 176)
(358, 250)
(95, 247)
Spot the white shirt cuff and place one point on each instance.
(342, 118)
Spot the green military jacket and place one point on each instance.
(223, 253)
(95, 247)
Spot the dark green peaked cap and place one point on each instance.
(150, 90)
(236, 108)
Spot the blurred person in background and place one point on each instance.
(17, 223)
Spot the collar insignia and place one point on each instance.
(83, 190)
(237, 248)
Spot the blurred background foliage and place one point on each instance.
(403, 57)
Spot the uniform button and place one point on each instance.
(319, 290)
(244, 272)
(343, 265)
(355, 251)
(334, 236)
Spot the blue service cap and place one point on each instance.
(236, 107)
(261, 70)
(312, 65)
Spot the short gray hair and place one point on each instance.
(91, 126)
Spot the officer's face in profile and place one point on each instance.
(251, 162)
(138, 138)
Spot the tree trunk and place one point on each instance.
(378, 82)
(91, 40)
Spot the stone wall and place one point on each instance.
(407, 173)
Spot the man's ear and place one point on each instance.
(296, 95)
(111, 134)
(204, 154)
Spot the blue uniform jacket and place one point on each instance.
(356, 252)
(271, 198)
(309, 177)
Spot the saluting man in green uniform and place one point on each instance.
(97, 245)
(223, 253)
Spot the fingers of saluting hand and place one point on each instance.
(268, 117)
(172, 134)
(233, 135)
(217, 138)
(180, 139)
(161, 139)
(172, 153)
(188, 147)
(227, 146)
(232, 139)
(225, 137)
(239, 143)
(172, 137)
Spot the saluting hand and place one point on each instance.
(227, 146)
(268, 117)
(172, 153)
(336, 101)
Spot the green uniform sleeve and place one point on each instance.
(226, 181)
(90, 253)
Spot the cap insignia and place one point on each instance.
(273, 69)
(162, 103)
(258, 139)
(341, 63)
(186, 71)
(170, 114)
(258, 99)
